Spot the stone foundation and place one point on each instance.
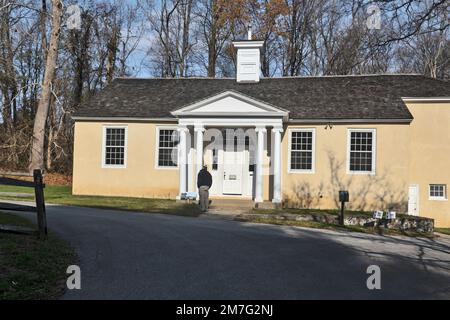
(402, 223)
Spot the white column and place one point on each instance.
(199, 129)
(259, 164)
(190, 166)
(182, 159)
(276, 158)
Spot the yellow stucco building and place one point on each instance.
(295, 141)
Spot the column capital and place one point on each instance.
(261, 128)
(182, 129)
(199, 127)
(277, 129)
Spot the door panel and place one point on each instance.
(413, 200)
(232, 172)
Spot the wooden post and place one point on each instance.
(343, 198)
(40, 203)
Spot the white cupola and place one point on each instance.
(248, 59)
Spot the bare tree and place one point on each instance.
(37, 150)
(189, 38)
(7, 72)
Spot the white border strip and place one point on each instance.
(122, 119)
(290, 121)
(424, 99)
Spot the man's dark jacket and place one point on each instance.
(204, 178)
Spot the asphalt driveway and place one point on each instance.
(128, 255)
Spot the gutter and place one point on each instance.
(293, 121)
(426, 99)
(124, 119)
(348, 121)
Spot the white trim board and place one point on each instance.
(124, 119)
(231, 122)
(426, 99)
(349, 121)
(290, 121)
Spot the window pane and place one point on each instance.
(438, 191)
(361, 151)
(115, 146)
(301, 150)
(167, 148)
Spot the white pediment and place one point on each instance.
(230, 103)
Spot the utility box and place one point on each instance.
(343, 196)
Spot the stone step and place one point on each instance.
(268, 205)
(232, 203)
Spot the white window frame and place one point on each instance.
(157, 166)
(433, 198)
(374, 150)
(313, 151)
(125, 153)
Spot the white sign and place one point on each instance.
(378, 214)
(391, 215)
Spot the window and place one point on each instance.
(251, 154)
(302, 150)
(215, 160)
(167, 148)
(115, 143)
(438, 192)
(231, 140)
(361, 148)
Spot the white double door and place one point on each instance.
(232, 173)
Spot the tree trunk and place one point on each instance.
(185, 47)
(51, 121)
(8, 73)
(37, 150)
(42, 25)
(212, 51)
(112, 53)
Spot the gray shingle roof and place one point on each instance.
(333, 97)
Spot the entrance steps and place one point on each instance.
(231, 206)
(234, 207)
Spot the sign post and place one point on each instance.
(343, 198)
(40, 203)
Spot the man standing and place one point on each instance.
(204, 182)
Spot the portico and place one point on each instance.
(230, 133)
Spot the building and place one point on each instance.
(296, 140)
